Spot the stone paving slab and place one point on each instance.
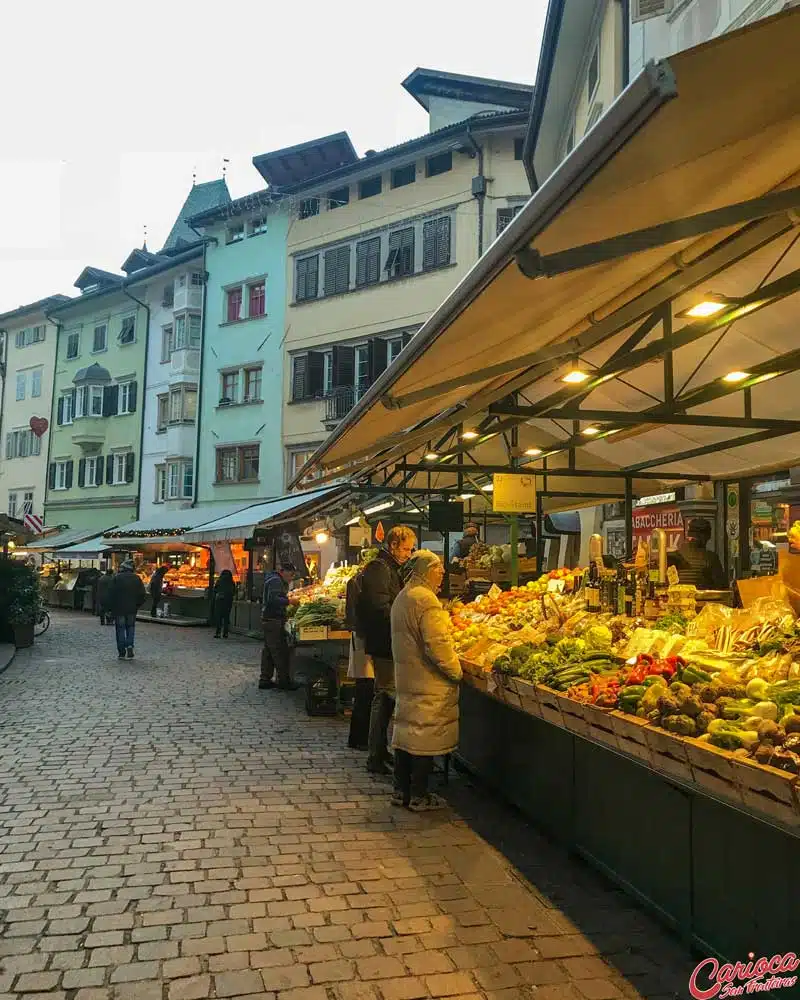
(169, 832)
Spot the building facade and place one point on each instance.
(239, 453)
(376, 243)
(27, 365)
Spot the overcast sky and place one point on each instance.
(108, 108)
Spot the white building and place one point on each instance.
(27, 364)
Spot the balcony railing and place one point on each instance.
(341, 400)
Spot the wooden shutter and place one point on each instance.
(129, 461)
(132, 397)
(109, 468)
(436, 242)
(98, 470)
(60, 411)
(9, 446)
(343, 366)
(378, 355)
(51, 476)
(110, 400)
(68, 475)
(307, 278)
(368, 261)
(82, 472)
(337, 270)
(299, 377)
(401, 252)
(315, 375)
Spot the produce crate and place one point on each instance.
(478, 680)
(507, 688)
(599, 724)
(550, 704)
(668, 753)
(528, 699)
(479, 574)
(525, 565)
(713, 770)
(573, 716)
(768, 790)
(501, 574)
(631, 735)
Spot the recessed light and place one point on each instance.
(470, 435)
(736, 377)
(431, 456)
(590, 431)
(575, 377)
(533, 451)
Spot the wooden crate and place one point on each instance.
(501, 574)
(477, 680)
(509, 690)
(631, 735)
(550, 705)
(341, 634)
(599, 724)
(768, 790)
(572, 714)
(668, 753)
(528, 698)
(713, 770)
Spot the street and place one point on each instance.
(169, 832)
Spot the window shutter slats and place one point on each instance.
(51, 476)
(299, 373)
(82, 472)
(109, 468)
(378, 354)
(337, 270)
(60, 411)
(129, 461)
(315, 374)
(132, 398)
(68, 475)
(368, 259)
(307, 278)
(98, 470)
(343, 366)
(436, 242)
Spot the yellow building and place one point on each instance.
(376, 243)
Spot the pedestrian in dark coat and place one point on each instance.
(224, 592)
(104, 597)
(127, 596)
(381, 582)
(156, 586)
(275, 654)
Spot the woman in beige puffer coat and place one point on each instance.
(427, 675)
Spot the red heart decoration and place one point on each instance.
(38, 425)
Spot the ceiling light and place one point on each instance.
(736, 376)
(321, 537)
(709, 305)
(431, 456)
(488, 488)
(470, 435)
(353, 521)
(590, 431)
(575, 377)
(614, 430)
(533, 452)
(466, 496)
(379, 506)
(767, 377)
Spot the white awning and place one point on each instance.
(243, 523)
(91, 549)
(62, 539)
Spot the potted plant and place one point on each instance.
(24, 609)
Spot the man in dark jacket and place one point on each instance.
(275, 654)
(104, 597)
(127, 596)
(695, 564)
(463, 546)
(381, 582)
(156, 587)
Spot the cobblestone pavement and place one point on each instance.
(169, 832)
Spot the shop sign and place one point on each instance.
(656, 498)
(514, 494)
(645, 520)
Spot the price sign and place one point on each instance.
(514, 494)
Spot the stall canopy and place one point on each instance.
(94, 548)
(62, 539)
(169, 526)
(688, 186)
(243, 523)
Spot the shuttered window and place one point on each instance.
(307, 278)
(436, 243)
(400, 259)
(337, 270)
(368, 261)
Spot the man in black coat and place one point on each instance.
(275, 671)
(382, 581)
(104, 597)
(127, 596)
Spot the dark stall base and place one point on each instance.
(724, 881)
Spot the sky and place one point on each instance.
(109, 108)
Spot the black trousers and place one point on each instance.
(222, 616)
(362, 706)
(156, 602)
(275, 654)
(411, 774)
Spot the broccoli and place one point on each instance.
(682, 725)
(502, 664)
(691, 706)
(702, 720)
(668, 704)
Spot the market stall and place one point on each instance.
(71, 560)
(633, 332)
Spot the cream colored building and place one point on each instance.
(376, 243)
(28, 356)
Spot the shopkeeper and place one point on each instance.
(696, 565)
(275, 654)
(463, 546)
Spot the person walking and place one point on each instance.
(127, 596)
(156, 586)
(104, 584)
(275, 654)
(224, 591)
(427, 676)
(359, 669)
(381, 582)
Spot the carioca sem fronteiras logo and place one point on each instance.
(712, 981)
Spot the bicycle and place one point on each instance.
(42, 623)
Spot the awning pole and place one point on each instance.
(628, 518)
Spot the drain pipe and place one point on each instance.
(478, 187)
(146, 308)
(195, 472)
(53, 413)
